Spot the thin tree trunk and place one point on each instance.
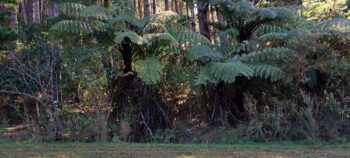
(193, 16)
(167, 7)
(139, 6)
(14, 20)
(176, 6)
(203, 6)
(36, 11)
(212, 15)
(146, 7)
(221, 19)
(29, 10)
(154, 5)
(57, 73)
(24, 11)
(180, 8)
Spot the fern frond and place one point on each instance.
(192, 37)
(95, 11)
(265, 71)
(221, 2)
(201, 51)
(71, 9)
(149, 70)
(266, 13)
(268, 54)
(341, 25)
(72, 26)
(264, 29)
(124, 18)
(162, 17)
(134, 37)
(273, 36)
(167, 37)
(204, 77)
(228, 71)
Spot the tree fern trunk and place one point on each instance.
(146, 7)
(166, 3)
(202, 6)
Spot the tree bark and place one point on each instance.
(193, 16)
(146, 7)
(176, 6)
(24, 11)
(36, 11)
(139, 7)
(154, 5)
(14, 20)
(167, 7)
(203, 6)
(29, 10)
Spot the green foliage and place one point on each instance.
(198, 52)
(228, 71)
(149, 69)
(72, 26)
(132, 36)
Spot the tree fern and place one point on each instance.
(149, 70)
(134, 37)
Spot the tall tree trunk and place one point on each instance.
(176, 6)
(24, 11)
(212, 17)
(167, 7)
(221, 19)
(36, 11)
(139, 7)
(154, 5)
(203, 7)
(14, 20)
(193, 16)
(180, 8)
(43, 11)
(57, 72)
(146, 7)
(29, 10)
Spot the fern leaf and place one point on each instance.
(273, 36)
(167, 37)
(268, 54)
(149, 70)
(95, 11)
(71, 9)
(192, 37)
(201, 51)
(265, 29)
(228, 71)
(267, 71)
(134, 37)
(124, 18)
(72, 26)
(204, 77)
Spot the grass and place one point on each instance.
(130, 150)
